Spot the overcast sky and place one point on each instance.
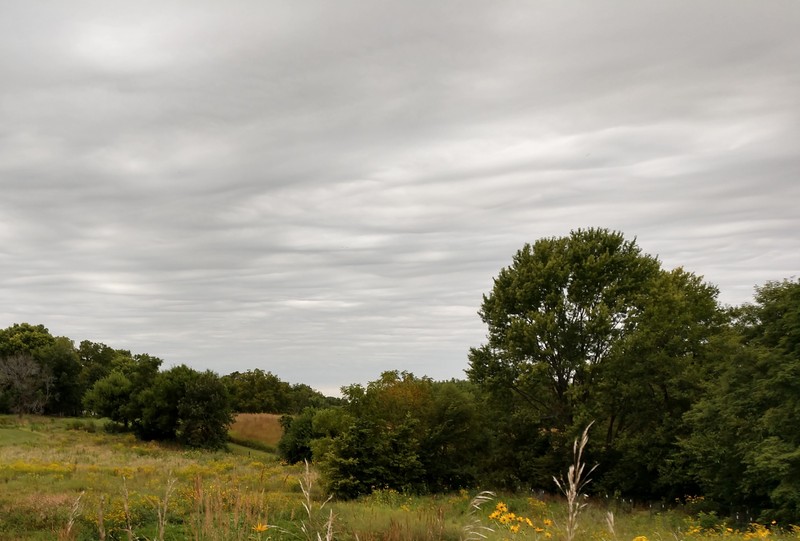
(326, 189)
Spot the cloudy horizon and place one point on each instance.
(325, 190)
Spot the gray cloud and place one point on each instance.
(326, 190)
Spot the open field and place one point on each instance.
(64, 479)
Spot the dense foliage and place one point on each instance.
(743, 446)
(400, 432)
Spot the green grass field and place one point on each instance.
(63, 479)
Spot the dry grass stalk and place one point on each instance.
(66, 533)
(101, 524)
(572, 487)
(197, 499)
(161, 509)
(126, 507)
(328, 529)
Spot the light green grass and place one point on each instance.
(18, 436)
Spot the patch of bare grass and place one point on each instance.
(261, 427)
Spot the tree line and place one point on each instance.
(687, 397)
(42, 373)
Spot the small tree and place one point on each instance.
(111, 397)
(295, 445)
(204, 412)
(187, 406)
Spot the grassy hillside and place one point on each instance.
(46, 465)
(67, 479)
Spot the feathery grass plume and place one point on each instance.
(474, 530)
(311, 528)
(576, 481)
(610, 524)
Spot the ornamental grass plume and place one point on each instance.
(474, 530)
(576, 481)
(610, 524)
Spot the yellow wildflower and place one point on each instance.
(260, 528)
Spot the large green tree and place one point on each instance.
(585, 328)
(556, 312)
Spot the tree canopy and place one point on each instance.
(589, 328)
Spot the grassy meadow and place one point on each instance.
(68, 479)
